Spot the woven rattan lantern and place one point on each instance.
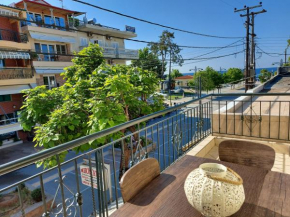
(214, 190)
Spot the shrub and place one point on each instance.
(22, 186)
(16, 139)
(36, 195)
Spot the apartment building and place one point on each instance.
(109, 38)
(50, 37)
(16, 72)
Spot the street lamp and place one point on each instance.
(195, 69)
(286, 53)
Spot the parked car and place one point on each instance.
(177, 90)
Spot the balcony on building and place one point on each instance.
(43, 18)
(15, 68)
(10, 31)
(113, 50)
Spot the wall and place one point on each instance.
(16, 99)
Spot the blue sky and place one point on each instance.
(215, 17)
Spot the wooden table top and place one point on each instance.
(267, 193)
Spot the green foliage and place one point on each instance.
(264, 75)
(210, 79)
(163, 48)
(36, 195)
(175, 73)
(22, 186)
(275, 73)
(149, 61)
(94, 97)
(233, 75)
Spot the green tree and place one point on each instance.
(233, 75)
(206, 81)
(175, 73)
(149, 61)
(210, 79)
(264, 75)
(165, 48)
(94, 97)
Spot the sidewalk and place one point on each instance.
(17, 151)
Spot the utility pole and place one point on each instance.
(250, 63)
(169, 78)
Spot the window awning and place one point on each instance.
(48, 71)
(14, 89)
(14, 55)
(48, 37)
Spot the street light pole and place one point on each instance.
(169, 78)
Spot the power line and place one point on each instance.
(128, 39)
(210, 58)
(153, 23)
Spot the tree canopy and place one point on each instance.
(175, 73)
(163, 48)
(210, 79)
(233, 75)
(95, 96)
(149, 61)
(264, 75)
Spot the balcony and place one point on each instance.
(16, 73)
(8, 35)
(52, 60)
(16, 76)
(111, 52)
(128, 54)
(88, 183)
(9, 125)
(101, 29)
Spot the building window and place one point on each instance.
(61, 49)
(2, 63)
(38, 19)
(59, 21)
(49, 81)
(84, 42)
(49, 21)
(5, 98)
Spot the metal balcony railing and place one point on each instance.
(88, 183)
(128, 53)
(9, 35)
(16, 73)
(8, 121)
(53, 57)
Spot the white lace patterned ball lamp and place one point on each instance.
(214, 190)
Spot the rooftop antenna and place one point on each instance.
(61, 3)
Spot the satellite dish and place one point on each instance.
(94, 20)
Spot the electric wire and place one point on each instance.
(153, 23)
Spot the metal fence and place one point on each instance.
(16, 73)
(262, 115)
(87, 184)
(9, 35)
